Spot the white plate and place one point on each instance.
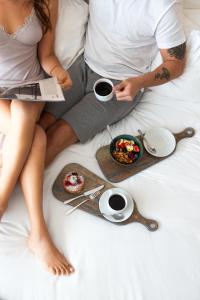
(162, 140)
(103, 201)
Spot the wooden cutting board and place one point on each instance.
(116, 173)
(92, 206)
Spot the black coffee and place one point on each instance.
(103, 89)
(117, 202)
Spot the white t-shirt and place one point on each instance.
(123, 36)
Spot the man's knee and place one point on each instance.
(62, 134)
(46, 120)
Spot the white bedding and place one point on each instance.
(118, 262)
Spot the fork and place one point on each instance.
(90, 197)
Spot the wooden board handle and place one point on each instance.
(186, 133)
(151, 225)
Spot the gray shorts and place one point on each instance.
(82, 111)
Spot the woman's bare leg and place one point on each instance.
(31, 180)
(4, 128)
(4, 120)
(31, 177)
(23, 116)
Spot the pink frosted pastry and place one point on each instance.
(73, 183)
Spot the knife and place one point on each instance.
(98, 188)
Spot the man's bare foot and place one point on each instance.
(43, 247)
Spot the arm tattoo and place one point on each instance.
(178, 52)
(164, 75)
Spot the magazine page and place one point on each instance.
(43, 90)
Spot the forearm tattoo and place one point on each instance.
(178, 52)
(165, 74)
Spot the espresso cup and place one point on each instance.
(103, 89)
(116, 203)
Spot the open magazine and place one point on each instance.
(42, 90)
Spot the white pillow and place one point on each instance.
(191, 3)
(185, 87)
(191, 20)
(70, 31)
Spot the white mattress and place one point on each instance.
(118, 262)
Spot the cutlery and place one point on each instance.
(151, 149)
(90, 197)
(87, 193)
(118, 216)
(115, 216)
(109, 131)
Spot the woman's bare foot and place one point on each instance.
(42, 246)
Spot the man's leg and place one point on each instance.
(46, 120)
(86, 118)
(59, 136)
(84, 121)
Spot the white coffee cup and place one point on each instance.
(116, 203)
(103, 92)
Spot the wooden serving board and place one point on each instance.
(116, 173)
(92, 206)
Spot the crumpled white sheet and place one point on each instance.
(118, 262)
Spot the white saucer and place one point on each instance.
(162, 140)
(103, 207)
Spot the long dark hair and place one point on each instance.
(42, 11)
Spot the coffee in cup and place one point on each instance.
(103, 89)
(117, 202)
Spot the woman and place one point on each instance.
(27, 29)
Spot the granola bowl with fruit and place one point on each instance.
(126, 149)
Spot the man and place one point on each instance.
(122, 39)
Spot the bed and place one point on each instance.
(122, 262)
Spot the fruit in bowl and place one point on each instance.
(126, 149)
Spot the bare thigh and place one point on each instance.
(32, 109)
(4, 115)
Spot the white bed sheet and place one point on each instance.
(118, 262)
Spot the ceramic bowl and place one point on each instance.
(127, 137)
(162, 140)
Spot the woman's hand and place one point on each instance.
(62, 77)
(127, 89)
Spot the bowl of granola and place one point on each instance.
(126, 149)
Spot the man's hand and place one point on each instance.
(127, 89)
